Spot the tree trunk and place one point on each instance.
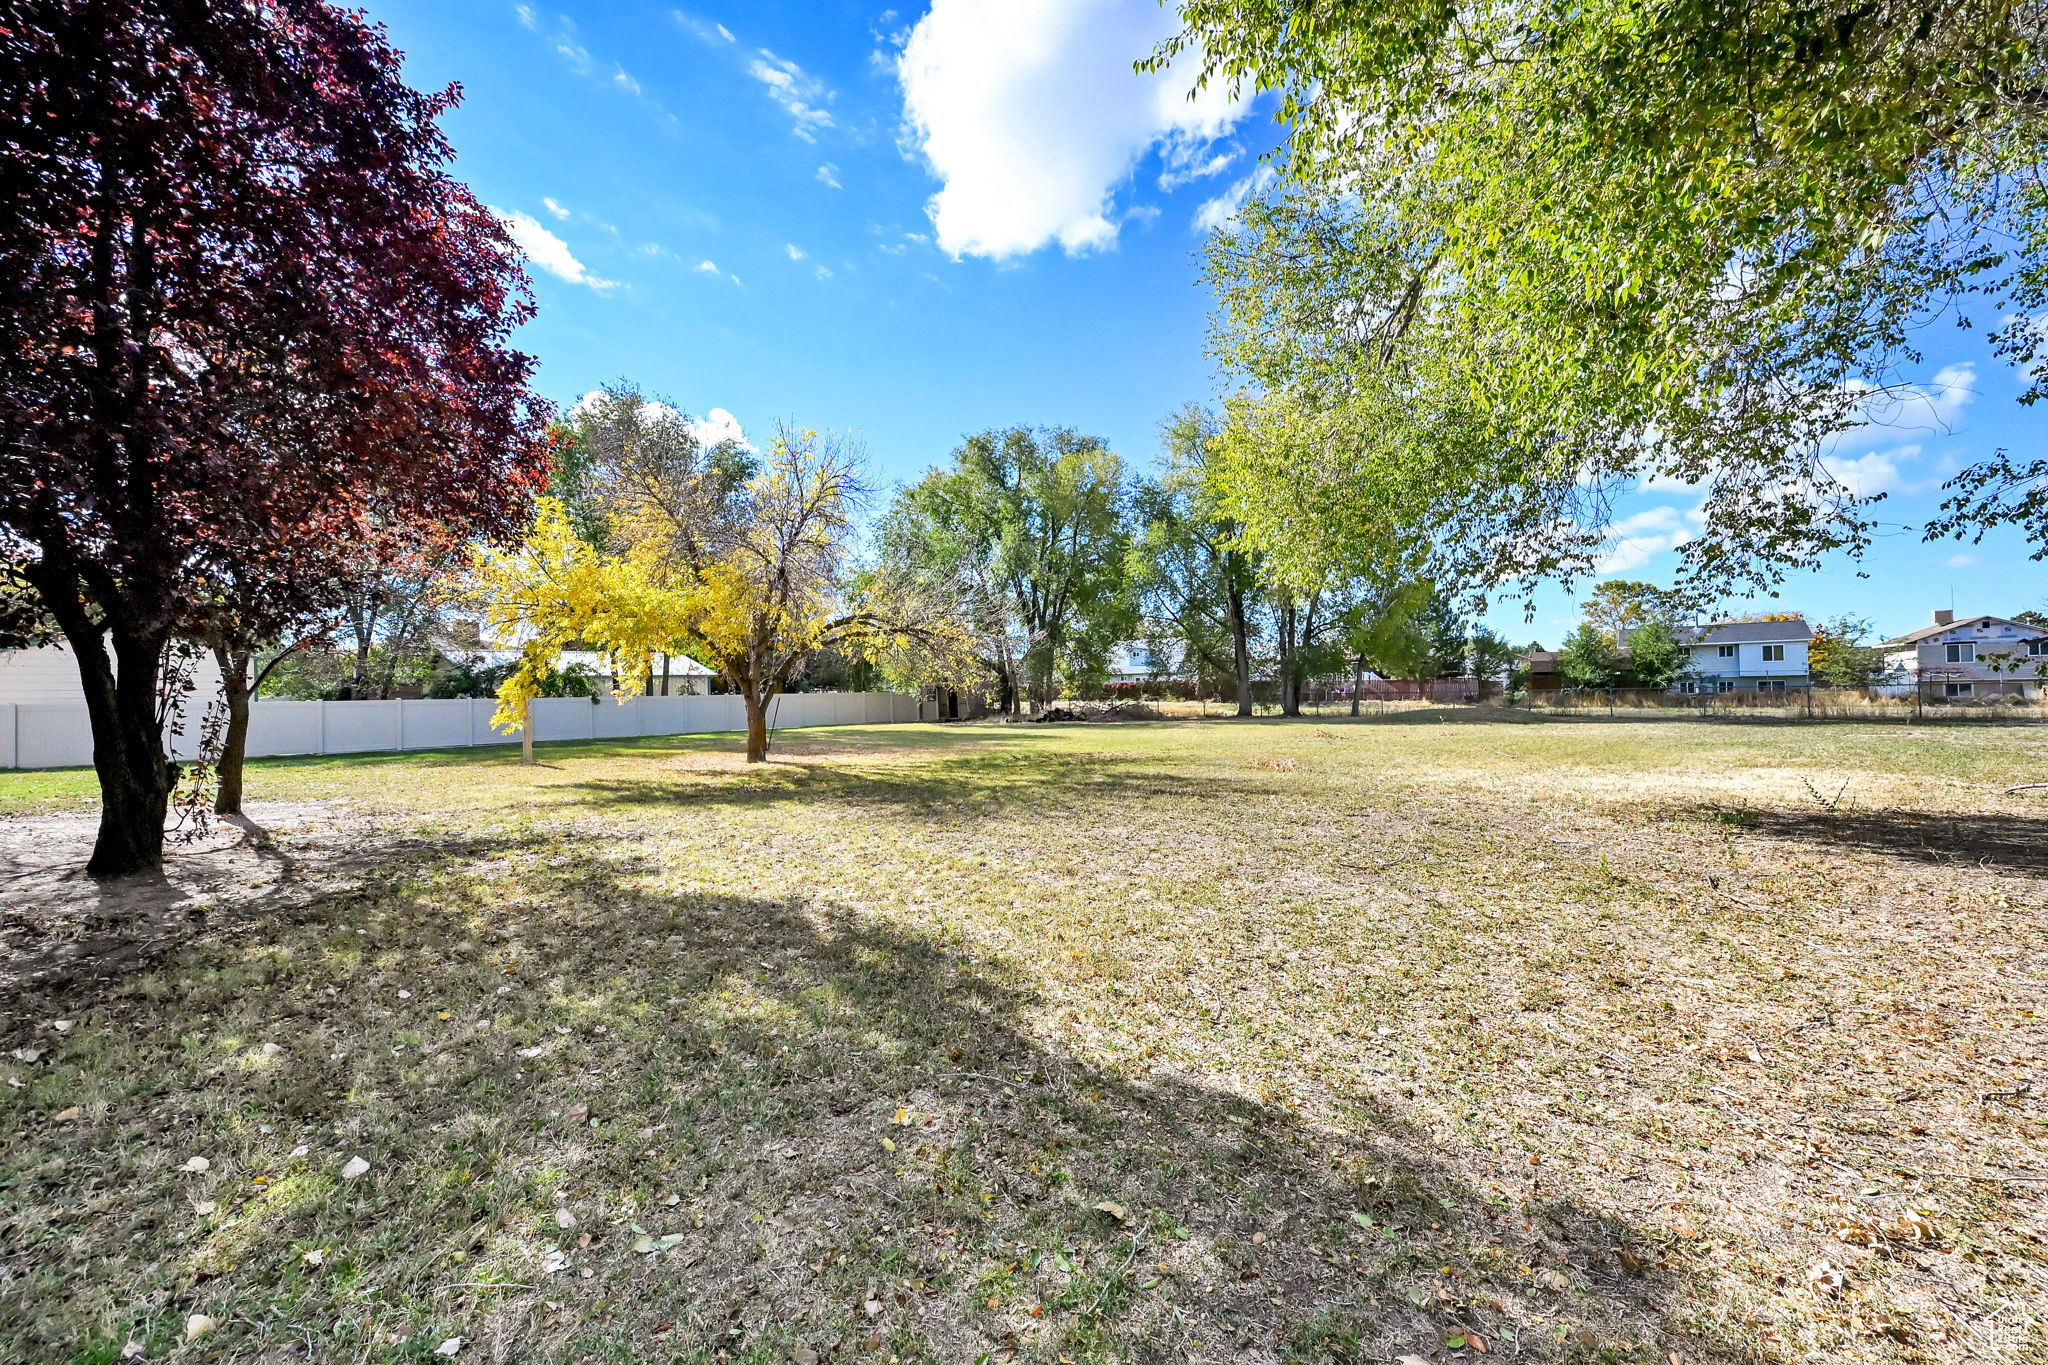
(757, 724)
(127, 750)
(1240, 644)
(1357, 682)
(1290, 696)
(234, 744)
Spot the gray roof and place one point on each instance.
(1746, 632)
(1914, 637)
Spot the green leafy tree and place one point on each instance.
(1040, 513)
(1194, 579)
(1448, 635)
(1590, 659)
(1619, 605)
(1493, 659)
(1553, 248)
(1383, 634)
(1838, 657)
(1657, 658)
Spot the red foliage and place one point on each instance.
(245, 314)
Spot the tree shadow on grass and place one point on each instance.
(941, 787)
(606, 1123)
(1993, 842)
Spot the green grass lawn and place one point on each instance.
(1446, 1034)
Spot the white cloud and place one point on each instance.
(1961, 561)
(526, 15)
(1868, 475)
(555, 208)
(804, 96)
(828, 175)
(715, 426)
(708, 267)
(1635, 540)
(1031, 117)
(824, 272)
(548, 251)
(1221, 211)
(1188, 159)
(719, 425)
(623, 81)
(795, 252)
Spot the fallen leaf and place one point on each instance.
(564, 1218)
(578, 1115)
(198, 1325)
(902, 1117)
(196, 1165)
(301, 1150)
(1826, 1277)
(270, 1049)
(354, 1167)
(647, 1246)
(554, 1263)
(872, 1307)
(71, 1115)
(27, 1054)
(316, 1258)
(1114, 1210)
(64, 1026)
(449, 1347)
(205, 1207)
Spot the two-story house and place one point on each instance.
(1978, 656)
(1747, 656)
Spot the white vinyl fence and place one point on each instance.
(58, 735)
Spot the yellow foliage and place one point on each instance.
(557, 590)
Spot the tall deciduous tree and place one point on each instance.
(1590, 659)
(1196, 580)
(245, 307)
(750, 575)
(1044, 511)
(1619, 605)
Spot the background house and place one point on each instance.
(1747, 656)
(1979, 656)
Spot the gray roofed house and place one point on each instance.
(1976, 657)
(1747, 656)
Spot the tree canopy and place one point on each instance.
(1539, 253)
(249, 315)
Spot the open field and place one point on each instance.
(1443, 1035)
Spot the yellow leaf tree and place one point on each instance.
(747, 569)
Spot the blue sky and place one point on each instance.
(921, 222)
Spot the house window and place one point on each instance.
(2037, 646)
(1962, 654)
(1774, 654)
(1959, 689)
(1726, 651)
(1725, 685)
(1772, 684)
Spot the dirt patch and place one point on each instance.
(57, 923)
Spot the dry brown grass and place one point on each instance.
(1581, 1041)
